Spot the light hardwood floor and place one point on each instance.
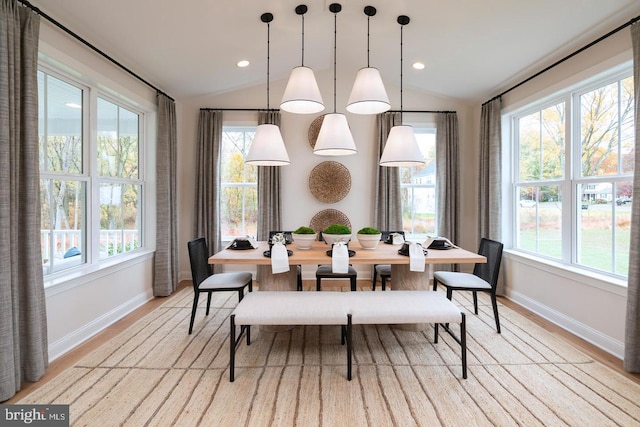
(69, 359)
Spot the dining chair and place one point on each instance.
(383, 270)
(206, 281)
(483, 279)
(288, 235)
(326, 272)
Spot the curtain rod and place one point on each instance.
(419, 111)
(240, 109)
(89, 45)
(571, 55)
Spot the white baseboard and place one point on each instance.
(77, 337)
(593, 336)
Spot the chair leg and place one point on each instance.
(375, 278)
(494, 302)
(449, 293)
(384, 282)
(240, 294)
(354, 286)
(299, 284)
(475, 302)
(196, 294)
(435, 284)
(208, 301)
(318, 284)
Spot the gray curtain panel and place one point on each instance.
(490, 180)
(207, 203)
(448, 179)
(165, 279)
(23, 317)
(269, 204)
(387, 207)
(448, 176)
(632, 330)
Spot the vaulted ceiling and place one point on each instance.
(472, 49)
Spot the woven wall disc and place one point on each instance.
(314, 130)
(327, 217)
(330, 182)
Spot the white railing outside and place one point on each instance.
(112, 242)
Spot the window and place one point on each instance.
(573, 163)
(88, 212)
(418, 188)
(239, 184)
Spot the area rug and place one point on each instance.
(155, 374)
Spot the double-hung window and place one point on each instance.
(418, 188)
(238, 184)
(573, 158)
(90, 179)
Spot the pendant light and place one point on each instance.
(334, 138)
(401, 148)
(267, 148)
(368, 95)
(302, 95)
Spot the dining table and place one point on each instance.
(319, 254)
(403, 278)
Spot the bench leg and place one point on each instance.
(232, 348)
(349, 343)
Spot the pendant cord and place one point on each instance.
(368, 19)
(302, 39)
(401, 105)
(335, 45)
(268, 59)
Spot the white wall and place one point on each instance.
(82, 303)
(589, 305)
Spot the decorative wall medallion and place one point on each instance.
(314, 130)
(327, 217)
(330, 182)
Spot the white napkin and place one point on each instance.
(340, 258)
(397, 239)
(279, 258)
(252, 241)
(416, 257)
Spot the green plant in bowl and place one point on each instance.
(304, 230)
(369, 237)
(304, 237)
(336, 233)
(369, 230)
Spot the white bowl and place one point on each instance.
(303, 241)
(369, 241)
(330, 239)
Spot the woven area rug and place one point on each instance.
(156, 374)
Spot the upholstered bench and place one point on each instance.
(345, 309)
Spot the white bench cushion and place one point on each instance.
(401, 307)
(292, 308)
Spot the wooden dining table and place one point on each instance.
(384, 253)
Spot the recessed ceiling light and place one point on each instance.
(418, 65)
(243, 63)
(73, 105)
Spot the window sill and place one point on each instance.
(587, 277)
(65, 280)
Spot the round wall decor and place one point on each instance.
(314, 130)
(330, 182)
(327, 217)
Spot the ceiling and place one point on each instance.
(472, 49)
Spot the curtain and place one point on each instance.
(632, 330)
(489, 184)
(490, 180)
(447, 175)
(207, 203)
(269, 204)
(387, 207)
(166, 256)
(448, 180)
(23, 321)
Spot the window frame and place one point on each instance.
(569, 183)
(91, 90)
